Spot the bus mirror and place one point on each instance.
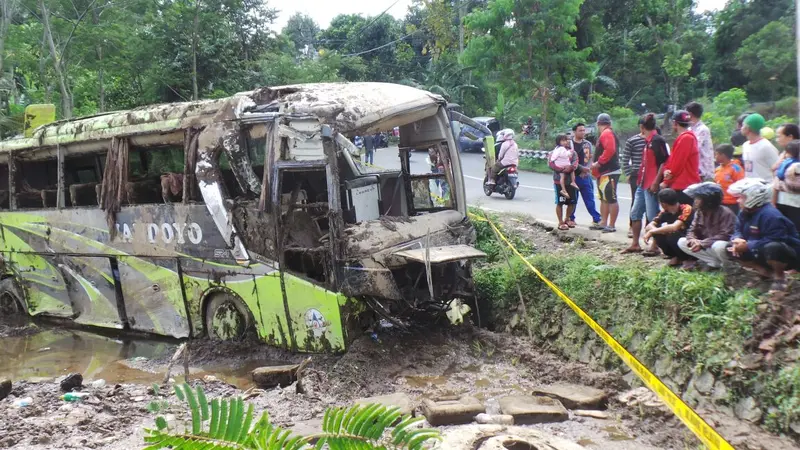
(38, 115)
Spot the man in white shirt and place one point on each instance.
(759, 154)
(704, 143)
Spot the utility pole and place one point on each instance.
(460, 7)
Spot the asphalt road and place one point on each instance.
(535, 196)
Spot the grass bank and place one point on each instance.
(696, 331)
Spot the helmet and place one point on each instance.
(507, 134)
(501, 136)
(710, 193)
(681, 117)
(756, 192)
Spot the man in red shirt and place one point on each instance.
(683, 166)
(607, 170)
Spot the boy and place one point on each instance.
(670, 226)
(561, 157)
(726, 174)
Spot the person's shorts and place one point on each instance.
(561, 200)
(607, 188)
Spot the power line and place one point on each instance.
(382, 46)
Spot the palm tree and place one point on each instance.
(446, 78)
(592, 79)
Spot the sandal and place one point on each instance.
(597, 227)
(632, 250)
(609, 230)
(571, 223)
(563, 227)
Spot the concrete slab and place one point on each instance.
(452, 412)
(529, 410)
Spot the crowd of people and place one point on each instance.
(702, 207)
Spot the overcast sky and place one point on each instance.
(324, 10)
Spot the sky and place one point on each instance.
(322, 11)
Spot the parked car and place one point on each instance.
(471, 139)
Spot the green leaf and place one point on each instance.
(161, 423)
(179, 392)
(197, 422)
(201, 397)
(212, 428)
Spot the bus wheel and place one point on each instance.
(227, 318)
(10, 301)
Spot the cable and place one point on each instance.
(382, 46)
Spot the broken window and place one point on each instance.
(304, 222)
(155, 175)
(36, 183)
(82, 177)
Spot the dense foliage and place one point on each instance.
(557, 61)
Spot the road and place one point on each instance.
(535, 196)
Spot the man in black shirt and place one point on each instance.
(584, 179)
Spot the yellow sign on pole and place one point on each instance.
(38, 115)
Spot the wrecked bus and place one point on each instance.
(248, 214)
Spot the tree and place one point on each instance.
(592, 79)
(302, 30)
(527, 46)
(769, 65)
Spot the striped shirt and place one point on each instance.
(632, 155)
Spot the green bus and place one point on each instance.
(248, 214)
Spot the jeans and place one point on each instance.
(587, 192)
(644, 203)
(369, 156)
(716, 256)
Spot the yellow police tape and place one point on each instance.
(696, 424)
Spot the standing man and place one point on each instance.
(758, 154)
(683, 166)
(632, 163)
(607, 170)
(369, 147)
(584, 173)
(704, 143)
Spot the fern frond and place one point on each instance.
(160, 441)
(203, 401)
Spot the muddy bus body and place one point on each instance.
(244, 214)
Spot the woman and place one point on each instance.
(787, 197)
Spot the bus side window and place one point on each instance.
(36, 183)
(4, 198)
(155, 175)
(83, 175)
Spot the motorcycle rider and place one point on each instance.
(508, 154)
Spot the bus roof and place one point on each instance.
(348, 107)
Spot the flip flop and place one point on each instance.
(571, 223)
(632, 250)
(563, 227)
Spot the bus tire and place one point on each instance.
(11, 301)
(227, 318)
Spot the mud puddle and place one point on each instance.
(52, 353)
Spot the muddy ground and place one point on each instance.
(428, 362)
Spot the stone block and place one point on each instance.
(452, 412)
(574, 396)
(397, 400)
(529, 409)
(271, 376)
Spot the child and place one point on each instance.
(561, 157)
(670, 225)
(726, 174)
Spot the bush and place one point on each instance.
(786, 106)
(619, 112)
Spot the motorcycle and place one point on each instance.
(506, 183)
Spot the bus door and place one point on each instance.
(92, 290)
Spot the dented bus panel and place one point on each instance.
(249, 214)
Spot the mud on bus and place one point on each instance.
(249, 214)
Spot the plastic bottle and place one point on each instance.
(74, 396)
(23, 402)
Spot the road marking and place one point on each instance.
(535, 187)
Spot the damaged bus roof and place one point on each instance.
(348, 107)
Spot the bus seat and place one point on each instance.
(172, 187)
(144, 191)
(83, 194)
(50, 198)
(29, 199)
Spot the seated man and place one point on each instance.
(708, 236)
(764, 239)
(670, 225)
